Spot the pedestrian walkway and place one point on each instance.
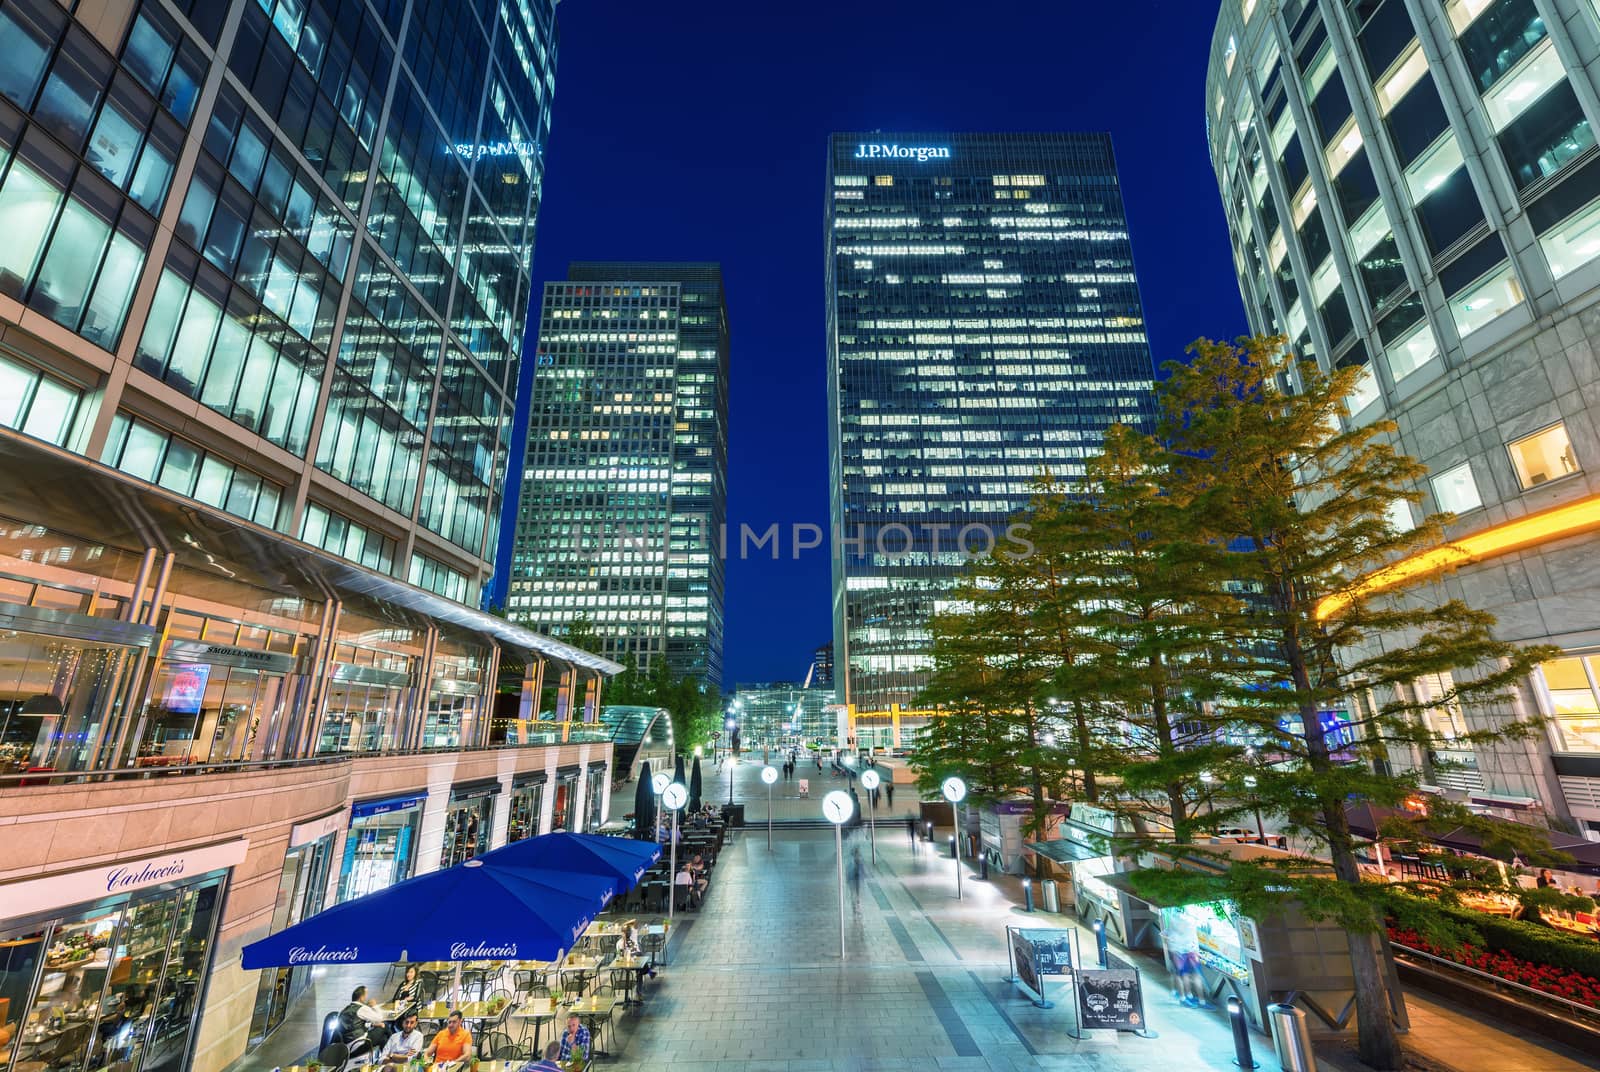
(756, 982)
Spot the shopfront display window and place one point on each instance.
(526, 800)
(380, 847)
(362, 718)
(115, 986)
(57, 696)
(203, 713)
(1210, 932)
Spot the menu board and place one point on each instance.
(1110, 999)
(1038, 953)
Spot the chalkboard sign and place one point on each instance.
(1110, 999)
(1052, 950)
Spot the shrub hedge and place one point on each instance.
(1531, 941)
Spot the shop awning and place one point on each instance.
(76, 496)
(1062, 851)
(624, 860)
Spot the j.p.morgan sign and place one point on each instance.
(918, 153)
(92, 884)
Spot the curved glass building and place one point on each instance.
(1413, 186)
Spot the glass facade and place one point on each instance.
(625, 482)
(115, 984)
(340, 276)
(984, 327)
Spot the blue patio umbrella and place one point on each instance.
(476, 911)
(622, 861)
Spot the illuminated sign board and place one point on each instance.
(918, 153)
(478, 150)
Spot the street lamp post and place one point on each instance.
(731, 724)
(955, 791)
(659, 782)
(836, 808)
(869, 782)
(769, 775)
(675, 796)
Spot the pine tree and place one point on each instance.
(1324, 659)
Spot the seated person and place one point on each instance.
(576, 1037)
(410, 988)
(404, 1044)
(685, 880)
(452, 1043)
(628, 941)
(361, 1019)
(551, 1061)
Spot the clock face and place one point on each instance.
(660, 782)
(675, 796)
(769, 775)
(869, 780)
(954, 790)
(836, 806)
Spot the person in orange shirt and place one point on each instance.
(453, 1043)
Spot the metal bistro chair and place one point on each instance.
(474, 981)
(599, 1022)
(499, 1046)
(524, 982)
(624, 979)
(428, 987)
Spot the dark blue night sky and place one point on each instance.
(698, 131)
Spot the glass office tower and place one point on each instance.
(263, 286)
(984, 326)
(625, 485)
(1413, 188)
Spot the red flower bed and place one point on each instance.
(1574, 986)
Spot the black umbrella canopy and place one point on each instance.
(644, 805)
(695, 786)
(677, 771)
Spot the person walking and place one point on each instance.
(888, 791)
(911, 830)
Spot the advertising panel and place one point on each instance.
(1110, 999)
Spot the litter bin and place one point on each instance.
(1290, 1038)
(1051, 895)
(983, 866)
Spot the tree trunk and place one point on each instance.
(1091, 790)
(1377, 1039)
(1177, 807)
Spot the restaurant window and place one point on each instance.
(1544, 456)
(467, 823)
(118, 984)
(1455, 491)
(526, 802)
(1570, 695)
(380, 848)
(564, 813)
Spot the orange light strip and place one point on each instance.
(1563, 521)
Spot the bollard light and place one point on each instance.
(1241, 1034)
(1027, 894)
(1100, 943)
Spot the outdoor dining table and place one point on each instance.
(591, 1009)
(536, 1011)
(470, 1010)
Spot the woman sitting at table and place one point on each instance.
(628, 941)
(409, 992)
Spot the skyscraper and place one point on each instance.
(984, 326)
(625, 486)
(1412, 189)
